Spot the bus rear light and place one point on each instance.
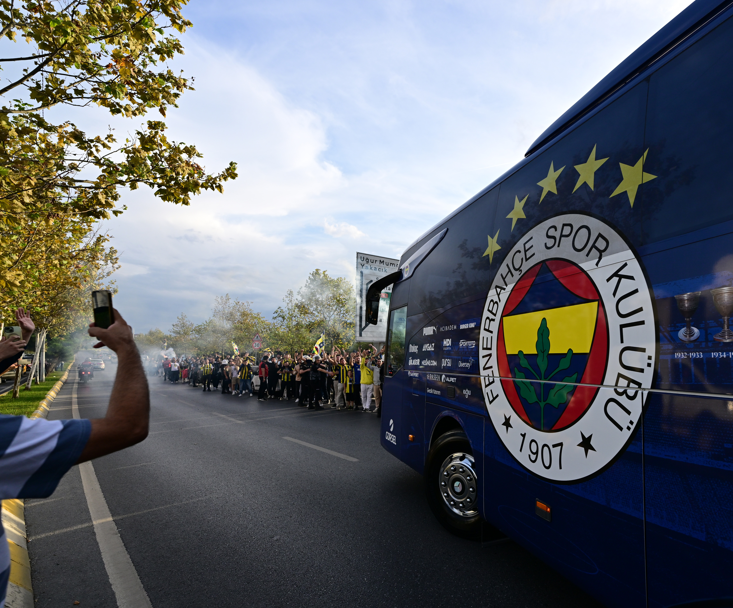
(542, 510)
(411, 437)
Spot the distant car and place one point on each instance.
(98, 363)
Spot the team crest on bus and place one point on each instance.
(569, 311)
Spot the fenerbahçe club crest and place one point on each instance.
(567, 347)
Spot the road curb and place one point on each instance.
(20, 589)
(42, 409)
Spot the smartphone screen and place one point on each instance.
(102, 303)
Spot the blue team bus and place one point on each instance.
(560, 361)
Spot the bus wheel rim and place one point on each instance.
(457, 485)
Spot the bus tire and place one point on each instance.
(451, 485)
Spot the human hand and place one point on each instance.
(9, 347)
(26, 323)
(117, 336)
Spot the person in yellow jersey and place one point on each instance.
(367, 381)
(342, 383)
(206, 371)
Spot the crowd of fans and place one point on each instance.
(345, 381)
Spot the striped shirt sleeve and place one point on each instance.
(36, 454)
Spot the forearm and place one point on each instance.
(128, 413)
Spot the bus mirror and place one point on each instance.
(374, 296)
(372, 309)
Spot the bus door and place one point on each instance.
(402, 409)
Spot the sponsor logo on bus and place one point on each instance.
(429, 346)
(447, 328)
(415, 361)
(465, 364)
(429, 363)
(433, 391)
(428, 331)
(470, 344)
(413, 348)
(447, 342)
(569, 311)
(388, 435)
(468, 324)
(446, 362)
(451, 379)
(413, 374)
(435, 377)
(466, 392)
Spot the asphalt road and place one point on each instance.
(218, 508)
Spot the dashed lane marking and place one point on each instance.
(320, 449)
(206, 426)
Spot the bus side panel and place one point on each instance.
(403, 418)
(688, 231)
(392, 438)
(689, 498)
(596, 533)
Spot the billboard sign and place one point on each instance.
(371, 268)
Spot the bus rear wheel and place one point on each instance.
(452, 486)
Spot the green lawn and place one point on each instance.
(29, 399)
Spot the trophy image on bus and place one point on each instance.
(723, 299)
(688, 303)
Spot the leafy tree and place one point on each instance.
(182, 335)
(328, 306)
(152, 341)
(56, 180)
(290, 330)
(209, 338)
(236, 320)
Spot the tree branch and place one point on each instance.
(30, 74)
(25, 58)
(10, 24)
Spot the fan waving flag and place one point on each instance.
(318, 346)
(236, 348)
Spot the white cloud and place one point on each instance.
(353, 125)
(128, 269)
(342, 230)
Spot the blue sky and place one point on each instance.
(356, 126)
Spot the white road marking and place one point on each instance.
(228, 418)
(131, 466)
(126, 515)
(206, 426)
(320, 449)
(35, 503)
(123, 577)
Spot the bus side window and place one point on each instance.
(396, 340)
(688, 135)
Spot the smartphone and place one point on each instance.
(102, 303)
(13, 330)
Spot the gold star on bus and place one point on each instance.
(518, 212)
(492, 248)
(588, 170)
(549, 183)
(633, 178)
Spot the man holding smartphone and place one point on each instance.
(36, 453)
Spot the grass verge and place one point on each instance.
(29, 399)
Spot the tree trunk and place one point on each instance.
(43, 358)
(16, 384)
(36, 359)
